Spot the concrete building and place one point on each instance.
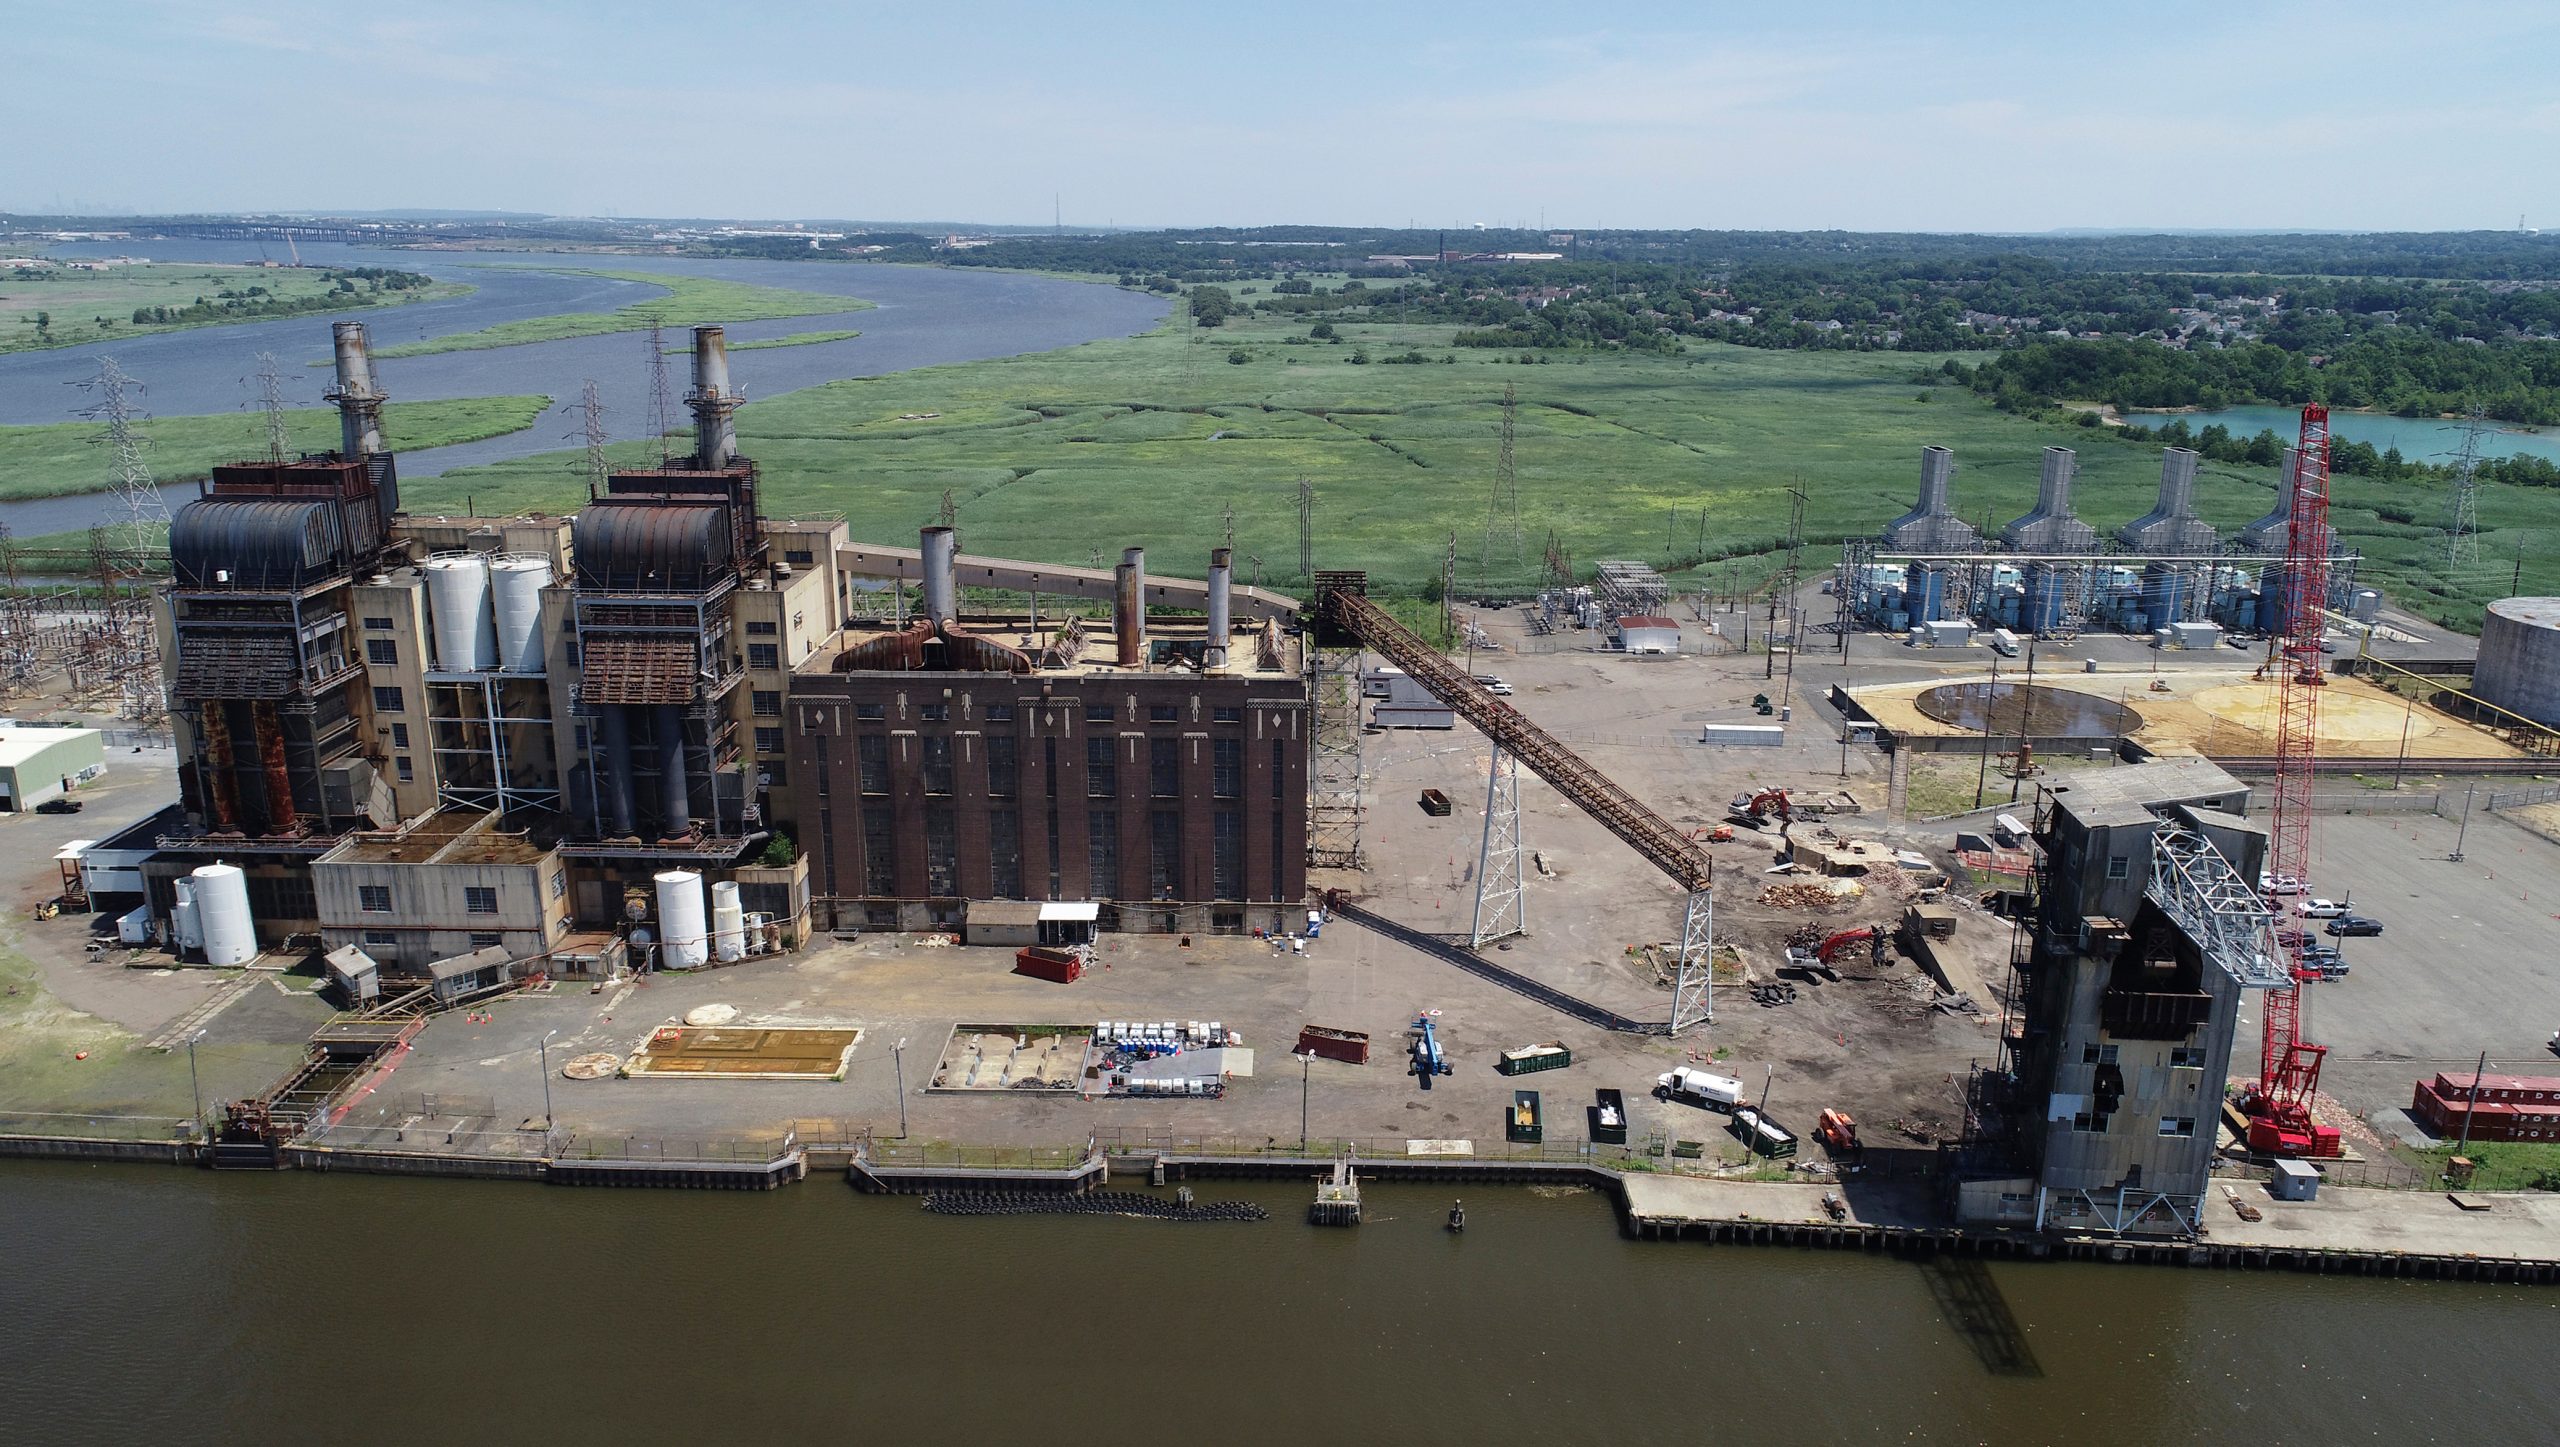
(37, 764)
(2149, 928)
(1158, 772)
(452, 883)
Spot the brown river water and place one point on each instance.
(155, 1305)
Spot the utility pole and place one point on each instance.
(1306, 529)
(898, 1054)
(1306, 1070)
(2407, 715)
(544, 1046)
(194, 1086)
(1990, 703)
(2463, 831)
(2473, 1104)
(2026, 708)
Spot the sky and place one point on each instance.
(1922, 116)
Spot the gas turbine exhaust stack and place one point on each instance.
(1222, 566)
(1933, 527)
(941, 547)
(2172, 526)
(2050, 527)
(2270, 534)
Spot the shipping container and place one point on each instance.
(1764, 1136)
(1530, 1059)
(1764, 736)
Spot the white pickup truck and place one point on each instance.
(1697, 1087)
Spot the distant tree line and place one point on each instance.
(231, 304)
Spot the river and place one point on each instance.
(2420, 439)
(152, 1304)
(923, 317)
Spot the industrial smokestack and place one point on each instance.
(1136, 558)
(1932, 526)
(1128, 614)
(1222, 565)
(941, 575)
(2051, 528)
(2053, 489)
(2271, 533)
(359, 401)
(715, 427)
(2172, 525)
(1937, 468)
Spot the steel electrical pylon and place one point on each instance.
(1502, 897)
(2462, 506)
(1693, 984)
(135, 487)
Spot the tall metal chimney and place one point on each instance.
(1932, 526)
(2172, 525)
(1129, 613)
(1222, 566)
(2051, 528)
(714, 406)
(359, 401)
(941, 575)
(1136, 558)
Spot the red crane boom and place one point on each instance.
(2279, 1104)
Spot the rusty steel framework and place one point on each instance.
(1333, 775)
(1342, 610)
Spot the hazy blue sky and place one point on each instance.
(1986, 116)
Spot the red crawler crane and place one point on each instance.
(2278, 1104)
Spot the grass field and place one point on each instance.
(65, 457)
(88, 306)
(1062, 455)
(796, 339)
(687, 301)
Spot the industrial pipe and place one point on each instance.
(611, 767)
(1222, 563)
(715, 427)
(1128, 609)
(675, 799)
(941, 575)
(222, 790)
(270, 733)
(359, 404)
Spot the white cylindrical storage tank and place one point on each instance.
(728, 921)
(2519, 667)
(185, 926)
(518, 584)
(222, 911)
(458, 595)
(682, 927)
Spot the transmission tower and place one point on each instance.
(1502, 899)
(1559, 563)
(2462, 509)
(115, 407)
(1306, 529)
(950, 515)
(1502, 538)
(590, 410)
(271, 401)
(662, 397)
(1449, 589)
(1227, 527)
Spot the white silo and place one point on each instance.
(458, 595)
(518, 584)
(681, 924)
(728, 921)
(222, 911)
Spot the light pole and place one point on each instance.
(1306, 1072)
(2462, 831)
(898, 1055)
(544, 1045)
(2401, 768)
(194, 1086)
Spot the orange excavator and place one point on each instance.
(1757, 809)
(1826, 955)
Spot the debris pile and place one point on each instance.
(1811, 893)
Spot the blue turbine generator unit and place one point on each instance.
(2273, 616)
(2040, 602)
(2164, 594)
(1926, 597)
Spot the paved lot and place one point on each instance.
(2469, 959)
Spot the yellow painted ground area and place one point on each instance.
(2226, 714)
(732, 1052)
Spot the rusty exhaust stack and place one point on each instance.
(1129, 613)
(941, 575)
(359, 401)
(715, 427)
(1222, 562)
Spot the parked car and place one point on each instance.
(59, 805)
(1494, 685)
(2293, 939)
(2320, 909)
(2355, 924)
(2279, 884)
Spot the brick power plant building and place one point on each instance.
(423, 737)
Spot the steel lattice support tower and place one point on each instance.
(134, 484)
(1333, 775)
(1502, 535)
(271, 402)
(1502, 897)
(1693, 984)
(1306, 529)
(662, 400)
(2289, 1067)
(590, 410)
(2462, 507)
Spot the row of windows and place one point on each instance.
(1093, 712)
(1101, 766)
(2087, 1123)
(383, 939)
(2185, 1057)
(478, 899)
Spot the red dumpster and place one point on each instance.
(1059, 967)
(1351, 1047)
